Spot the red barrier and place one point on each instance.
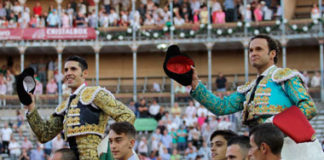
(47, 34)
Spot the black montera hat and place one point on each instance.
(177, 66)
(25, 84)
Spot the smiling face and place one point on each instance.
(121, 145)
(73, 75)
(260, 56)
(218, 148)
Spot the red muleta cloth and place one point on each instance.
(294, 124)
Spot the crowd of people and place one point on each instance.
(81, 13)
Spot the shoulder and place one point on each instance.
(91, 92)
(284, 74)
(246, 87)
(61, 108)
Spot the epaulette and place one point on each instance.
(246, 87)
(61, 108)
(89, 94)
(284, 74)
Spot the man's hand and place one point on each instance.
(195, 79)
(31, 106)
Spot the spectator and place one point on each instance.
(26, 145)
(24, 155)
(14, 149)
(156, 138)
(57, 143)
(221, 83)
(176, 110)
(82, 8)
(206, 132)
(17, 8)
(123, 18)
(113, 17)
(10, 82)
(156, 87)
(52, 19)
(51, 87)
(266, 11)
(80, 20)
(316, 80)
(5, 136)
(165, 154)
(3, 90)
(201, 120)
(104, 20)
(219, 17)
(195, 5)
(196, 18)
(64, 154)
(38, 9)
(238, 148)
(154, 108)
(132, 107)
(266, 142)
(218, 143)
(65, 20)
(92, 20)
(315, 14)
(306, 78)
(122, 140)
(194, 136)
(143, 109)
(48, 148)
(166, 140)
(204, 151)
(229, 7)
(175, 155)
(203, 14)
(20, 118)
(33, 23)
(278, 14)
(107, 5)
(148, 20)
(38, 153)
(3, 12)
(258, 13)
(182, 134)
(38, 88)
(143, 147)
(191, 152)
(191, 109)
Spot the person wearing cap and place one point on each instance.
(274, 90)
(83, 116)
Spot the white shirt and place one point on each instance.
(6, 134)
(190, 110)
(154, 109)
(14, 148)
(57, 144)
(200, 111)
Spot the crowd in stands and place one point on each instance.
(81, 13)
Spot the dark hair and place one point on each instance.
(227, 134)
(269, 134)
(82, 62)
(242, 141)
(67, 154)
(272, 44)
(124, 127)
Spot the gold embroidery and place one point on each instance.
(88, 94)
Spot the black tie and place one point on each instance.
(255, 87)
(71, 98)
